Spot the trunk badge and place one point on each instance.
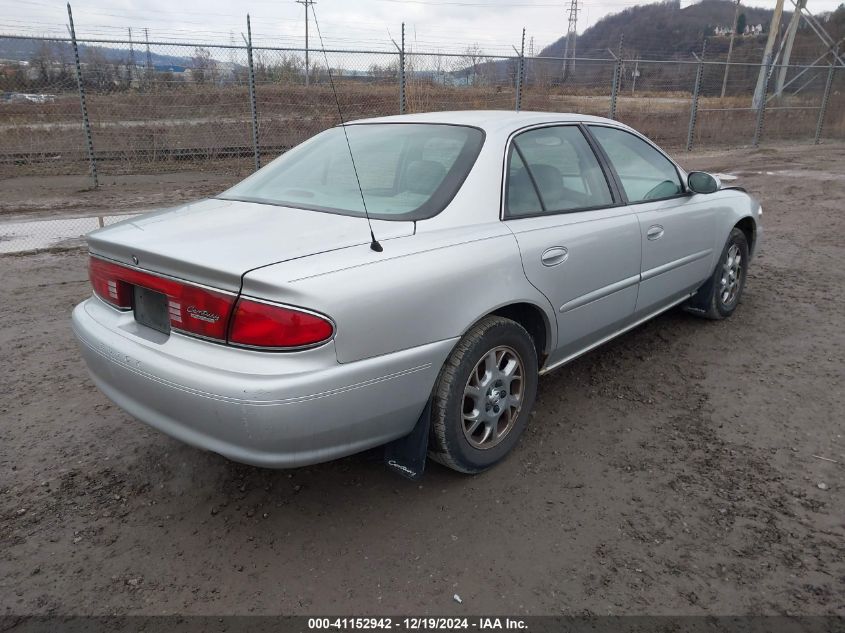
(203, 315)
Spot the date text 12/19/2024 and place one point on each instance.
(417, 624)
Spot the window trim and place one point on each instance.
(527, 169)
(615, 195)
(624, 196)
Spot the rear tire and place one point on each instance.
(719, 297)
(483, 396)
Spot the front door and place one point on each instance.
(678, 229)
(580, 247)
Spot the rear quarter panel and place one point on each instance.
(428, 287)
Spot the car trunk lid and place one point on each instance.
(215, 242)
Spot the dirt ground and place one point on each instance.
(688, 467)
(46, 196)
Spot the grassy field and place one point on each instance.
(134, 131)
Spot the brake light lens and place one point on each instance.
(257, 324)
(198, 310)
(109, 286)
(191, 308)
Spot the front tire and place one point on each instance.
(719, 297)
(483, 396)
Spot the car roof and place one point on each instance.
(491, 121)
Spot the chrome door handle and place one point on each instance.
(554, 256)
(654, 232)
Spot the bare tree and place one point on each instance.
(471, 59)
(42, 62)
(203, 67)
(98, 72)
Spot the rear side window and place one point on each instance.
(554, 170)
(645, 173)
(522, 196)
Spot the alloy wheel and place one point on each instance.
(493, 397)
(731, 275)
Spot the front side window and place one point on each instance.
(408, 171)
(554, 170)
(645, 173)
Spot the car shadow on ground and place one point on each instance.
(366, 470)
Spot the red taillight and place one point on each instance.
(191, 308)
(198, 310)
(107, 285)
(257, 324)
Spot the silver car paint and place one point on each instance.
(594, 289)
(415, 292)
(274, 410)
(398, 313)
(213, 242)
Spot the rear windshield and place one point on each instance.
(408, 171)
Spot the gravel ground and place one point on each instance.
(677, 470)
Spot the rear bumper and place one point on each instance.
(275, 410)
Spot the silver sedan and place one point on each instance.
(403, 281)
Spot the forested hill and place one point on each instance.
(662, 30)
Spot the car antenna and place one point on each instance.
(374, 244)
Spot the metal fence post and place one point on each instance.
(520, 71)
(614, 91)
(85, 122)
(825, 99)
(402, 101)
(761, 109)
(693, 113)
(252, 103)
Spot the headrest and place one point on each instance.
(549, 181)
(424, 176)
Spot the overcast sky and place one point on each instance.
(447, 25)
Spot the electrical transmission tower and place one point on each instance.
(766, 65)
(571, 37)
(148, 70)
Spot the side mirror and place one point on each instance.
(702, 182)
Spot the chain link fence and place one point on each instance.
(141, 106)
(167, 106)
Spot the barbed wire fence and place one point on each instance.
(169, 105)
(139, 105)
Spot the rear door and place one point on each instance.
(579, 245)
(678, 230)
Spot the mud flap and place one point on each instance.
(700, 300)
(406, 456)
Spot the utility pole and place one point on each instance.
(571, 38)
(787, 49)
(763, 77)
(306, 4)
(530, 55)
(730, 49)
